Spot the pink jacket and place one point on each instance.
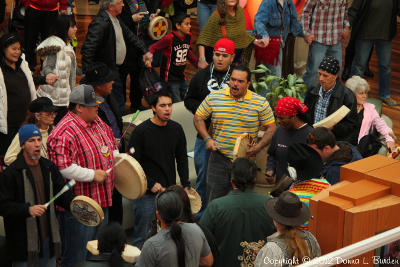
(371, 116)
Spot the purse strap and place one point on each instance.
(223, 29)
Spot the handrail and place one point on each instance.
(344, 254)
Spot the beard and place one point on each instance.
(35, 158)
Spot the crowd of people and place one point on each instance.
(73, 132)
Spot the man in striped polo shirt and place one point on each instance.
(233, 111)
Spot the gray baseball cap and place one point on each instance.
(84, 95)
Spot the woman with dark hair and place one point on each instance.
(289, 245)
(111, 243)
(228, 19)
(42, 115)
(293, 128)
(178, 243)
(17, 89)
(59, 59)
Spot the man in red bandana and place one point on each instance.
(293, 128)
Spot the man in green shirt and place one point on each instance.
(239, 216)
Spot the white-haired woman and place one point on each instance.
(367, 114)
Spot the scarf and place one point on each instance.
(142, 25)
(235, 30)
(32, 229)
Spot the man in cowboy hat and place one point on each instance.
(288, 212)
(334, 154)
(236, 218)
(102, 79)
(302, 164)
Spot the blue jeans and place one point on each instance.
(74, 238)
(218, 176)
(201, 157)
(384, 52)
(276, 71)
(117, 91)
(45, 261)
(204, 11)
(178, 90)
(316, 54)
(145, 209)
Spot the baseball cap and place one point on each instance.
(225, 45)
(42, 104)
(84, 95)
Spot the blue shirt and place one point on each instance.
(111, 118)
(268, 20)
(321, 108)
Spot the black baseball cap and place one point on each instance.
(84, 95)
(42, 104)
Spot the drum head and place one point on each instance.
(195, 203)
(130, 179)
(87, 211)
(158, 27)
(241, 145)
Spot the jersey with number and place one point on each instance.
(174, 58)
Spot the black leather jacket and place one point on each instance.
(342, 96)
(100, 260)
(100, 44)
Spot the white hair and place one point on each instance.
(356, 84)
(105, 3)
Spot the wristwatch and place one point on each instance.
(187, 187)
(203, 59)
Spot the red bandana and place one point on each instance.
(289, 106)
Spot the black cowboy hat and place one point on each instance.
(304, 159)
(97, 74)
(287, 209)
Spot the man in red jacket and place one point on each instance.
(39, 16)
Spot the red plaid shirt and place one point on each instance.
(73, 141)
(325, 19)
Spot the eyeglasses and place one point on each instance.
(53, 114)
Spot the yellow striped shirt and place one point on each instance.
(231, 118)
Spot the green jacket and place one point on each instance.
(239, 216)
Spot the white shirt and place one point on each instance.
(119, 40)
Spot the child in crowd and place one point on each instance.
(176, 50)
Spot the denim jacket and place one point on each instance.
(268, 20)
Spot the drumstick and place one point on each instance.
(227, 147)
(133, 118)
(63, 190)
(130, 152)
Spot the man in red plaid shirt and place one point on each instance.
(83, 147)
(324, 23)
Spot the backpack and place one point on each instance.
(369, 145)
(150, 82)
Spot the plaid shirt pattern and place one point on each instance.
(321, 108)
(325, 19)
(73, 141)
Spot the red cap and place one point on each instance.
(225, 45)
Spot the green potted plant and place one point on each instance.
(277, 87)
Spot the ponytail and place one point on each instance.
(176, 235)
(116, 259)
(112, 239)
(298, 247)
